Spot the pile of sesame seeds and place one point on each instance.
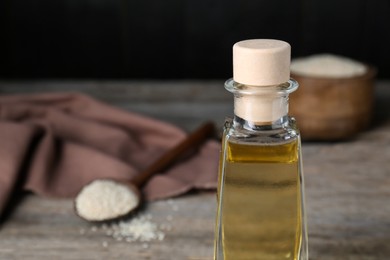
(138, 228)
(105, 199)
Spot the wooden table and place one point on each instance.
(347, 186)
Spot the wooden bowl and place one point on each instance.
(332, 109)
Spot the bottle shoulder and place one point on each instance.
(271, 144)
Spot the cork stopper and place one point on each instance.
(260, 110)
(261, 62)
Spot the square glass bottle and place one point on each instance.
(261, 192)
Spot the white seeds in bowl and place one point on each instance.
(327, 65)
(105, 199)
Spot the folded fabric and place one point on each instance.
(54, 144)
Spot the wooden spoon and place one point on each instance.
(108, 199)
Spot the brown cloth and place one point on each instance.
(54, 144)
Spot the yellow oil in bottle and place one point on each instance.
(260, 204)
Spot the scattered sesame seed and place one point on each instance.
(160, 236)
(138, 228)
(169, 227)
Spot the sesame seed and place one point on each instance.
(105, 199)
(139, 228)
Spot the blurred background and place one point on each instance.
(179, 39)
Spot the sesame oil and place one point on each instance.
(261, 204)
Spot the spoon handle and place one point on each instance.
(193, 140)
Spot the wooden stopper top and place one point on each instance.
(261, 62)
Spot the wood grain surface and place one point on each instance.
(347, 186)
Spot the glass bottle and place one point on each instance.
(260, 192)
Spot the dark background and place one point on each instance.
(159, 39)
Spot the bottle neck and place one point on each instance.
(255, 126)
(261, 109)
(261, 105)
